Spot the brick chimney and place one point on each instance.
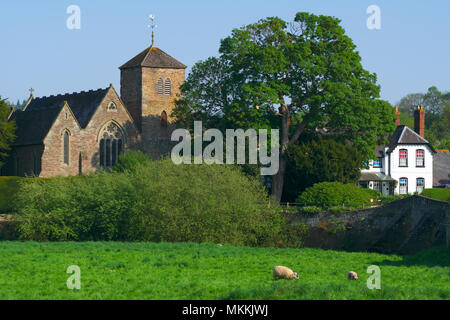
(397, 113)
(419, 121)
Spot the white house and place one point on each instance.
(405, 165)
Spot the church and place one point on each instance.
(78, 133)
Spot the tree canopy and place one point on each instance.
(306, 74)
(7, 129)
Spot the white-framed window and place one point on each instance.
(378, 163)
(420, 185)
(403, 186)
(403, 158)
(420, 158)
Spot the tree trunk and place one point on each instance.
(278, 180)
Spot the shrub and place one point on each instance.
(130, 161)
(330, 194)
(156, 201)
(8, 189)
(439, 194)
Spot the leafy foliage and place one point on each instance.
(320, 160)
(157, 201)
(7, 129)
(329, 194)
(291, 76)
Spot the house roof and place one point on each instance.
(441, 168)
(34, 122)
(153, 57)
(375, 176)
(404, 135)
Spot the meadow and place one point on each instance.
(145, 270)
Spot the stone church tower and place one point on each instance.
(149, 85)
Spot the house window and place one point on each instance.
(403, 155)
(167, 87)
(420, 158)
(159, 86)
(377, 163)
(420, 185)
(110, 145)
(403, 186)
(66, 147)
(377, 186)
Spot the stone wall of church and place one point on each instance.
(155, 132)
(84, 143)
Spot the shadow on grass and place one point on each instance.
(434, 257)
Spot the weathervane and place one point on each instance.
(153, 26)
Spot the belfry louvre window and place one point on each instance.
(167, 87)
(420, 158)
(403, 156)
(159, 86)
(66, 148)
(110, 145)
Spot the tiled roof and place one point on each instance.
(36, 120)
(153, 57)
(441, 168)
(375, 176)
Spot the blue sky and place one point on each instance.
(410, 53)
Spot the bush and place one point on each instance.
(156, 201)
(331, 194)
(8, 189)
(130, 160)
(439, 194)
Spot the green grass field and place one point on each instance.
(31, 270)
(439, 194)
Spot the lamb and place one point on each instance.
(352, 275)
(280, 272)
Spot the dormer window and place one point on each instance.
(403, 158)
(420, 158)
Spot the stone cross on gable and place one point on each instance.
(31, 92)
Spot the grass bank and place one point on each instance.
(115, 270)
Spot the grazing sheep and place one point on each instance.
(280, 272)
(352, 275)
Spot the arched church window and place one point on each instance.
(167, 87)
(66, 147)
(164, 119)
(159, 86)
(110, 145)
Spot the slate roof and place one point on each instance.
(441, 168)
(375, 176)
(404, 135)
(36, 120)
(153, 57)
(33, 126)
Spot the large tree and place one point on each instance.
(291, 76)
(7, 129)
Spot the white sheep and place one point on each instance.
(352, 275)
(280, 272)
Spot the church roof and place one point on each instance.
(33, 126)
(34, 122)
(153, 57)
